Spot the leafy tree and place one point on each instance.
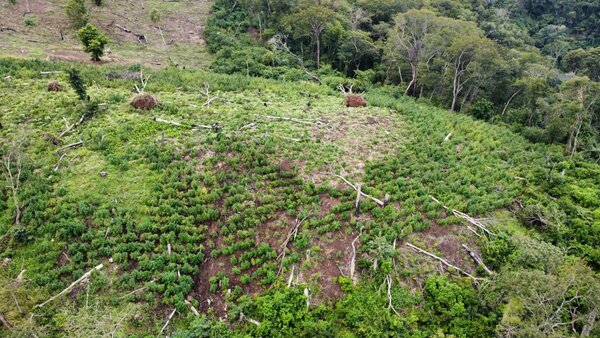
(77, 13)
(540, 304)
(311, 22)
(576, 107)
(93, 41)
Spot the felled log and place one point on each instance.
(445, 262)
(70, 287)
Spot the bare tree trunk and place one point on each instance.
(318, 38)
(413, 80)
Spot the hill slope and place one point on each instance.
(227, 191)
(45, 32)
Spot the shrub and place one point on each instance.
(144, 101)
(31, 21)
(93, 41)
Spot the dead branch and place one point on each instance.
(291, 276)
(291, 234)
(464, 216)
(249, 320)
(447, 138)
(278, 42)
(168, 320)
(58, 162)
(353, 260)
(69, 127)
(478, 259)
(345, 91)
(443, 261)
(360, 192)
(317, 122)
(70, 146)
(143, 83)
(136, 291)
(388, 279)
(194, 310)
(358, 196)
(70, 287)
(5, 322)
(206, 93)
(249, 125)
(123, 28)
(51, 72)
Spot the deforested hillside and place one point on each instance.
(243, 206)
(150, 32)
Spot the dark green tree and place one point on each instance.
(93, 41)
(76, 82)
(77, 13)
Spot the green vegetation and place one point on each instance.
(501, 56)
(346, 168)
(93, 41)
(181, 215)
(77, 13)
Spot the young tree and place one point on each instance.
(311, 22)
(93, 41)
(77, 13)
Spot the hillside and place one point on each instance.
(46, 32)
(183, 216)
(343, 168)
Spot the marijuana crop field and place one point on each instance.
(233, 187)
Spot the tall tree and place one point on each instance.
(408, 41)
(577, 106)
(311, 22)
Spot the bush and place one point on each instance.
(31, 21)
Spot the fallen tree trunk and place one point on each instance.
(317, 122)
(445, 262)
(464, 216)
(478, 259)
(215, 127)
(168, 321)
(70, 287)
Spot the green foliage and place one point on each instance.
(456, 309)
(93, 41)
(77, 83)
(31, 21)
(77, 13)
(155, 15)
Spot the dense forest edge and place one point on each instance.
(339, 169)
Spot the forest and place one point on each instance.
(330, 168)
